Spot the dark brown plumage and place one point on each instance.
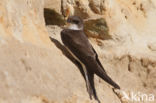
(77, 42)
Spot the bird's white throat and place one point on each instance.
(74, 27)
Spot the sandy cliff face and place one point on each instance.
(23, 21)
(34, 69)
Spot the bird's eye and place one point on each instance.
(75, 21)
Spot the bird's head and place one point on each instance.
(74, 23)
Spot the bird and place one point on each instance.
(78, 45)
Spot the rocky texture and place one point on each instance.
(34, 69)
(97, 28)
(23, 20)
(97, 6)
(53, 4)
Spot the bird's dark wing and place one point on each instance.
(97, 59)
(75, 40)
(78, 44)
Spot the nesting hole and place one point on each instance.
(53, 18)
